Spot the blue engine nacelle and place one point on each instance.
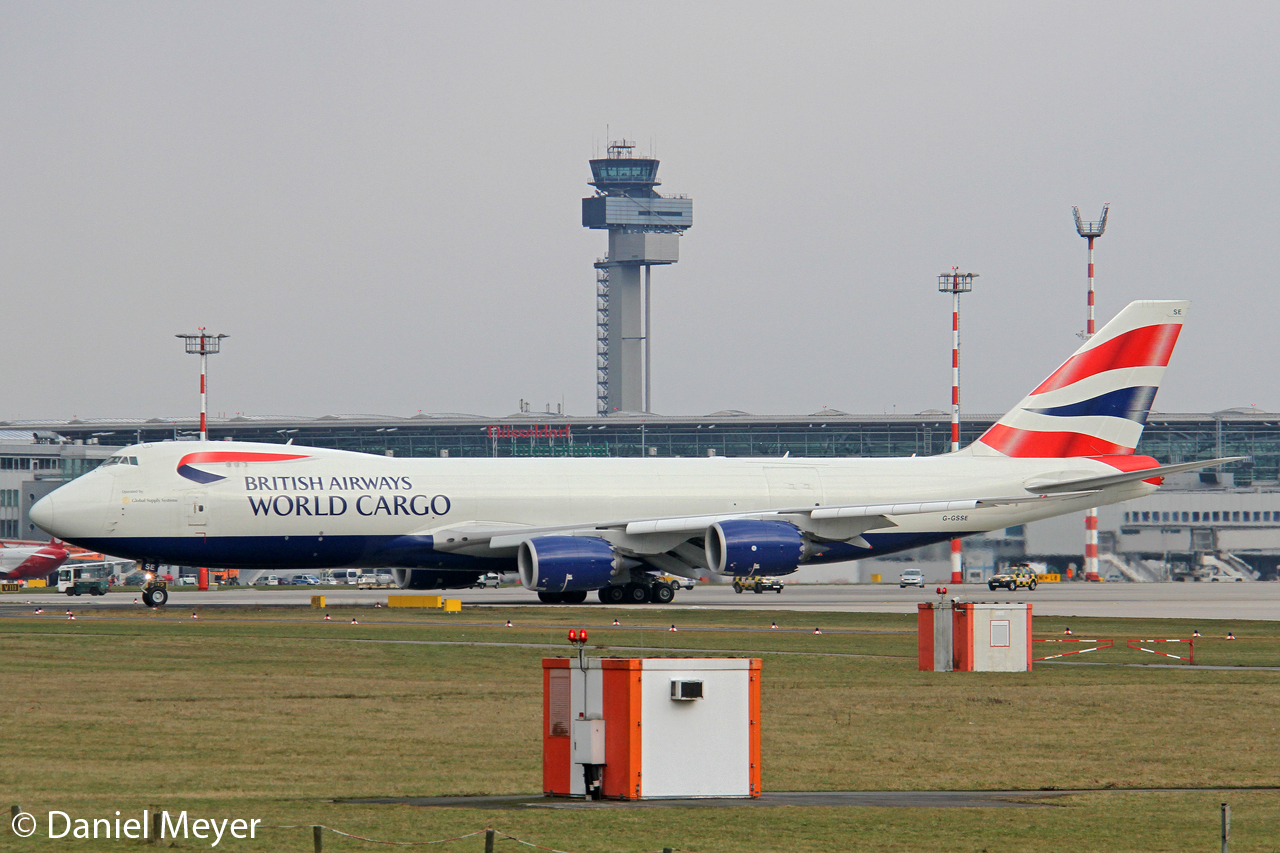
(566, 563)
(754, 547)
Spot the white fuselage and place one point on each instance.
(328, 508)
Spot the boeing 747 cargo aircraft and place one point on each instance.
(573, 526)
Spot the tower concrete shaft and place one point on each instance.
(644, 231)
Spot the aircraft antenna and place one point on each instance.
(1090, 231)
(204, 345)
(955, 283)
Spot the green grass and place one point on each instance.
(269, 712)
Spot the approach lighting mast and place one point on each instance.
(644, 230)
(204, 345)
(955, 283)
(1090, 231)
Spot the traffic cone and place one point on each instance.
(1231, 635)
(616, 622)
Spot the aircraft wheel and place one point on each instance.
(662, 594)
(159, 597)
(603, 594)
(576, 597)
(614, 594)
(550, 597)
(636, 593)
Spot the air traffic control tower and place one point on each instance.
(644, 230)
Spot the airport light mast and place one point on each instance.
(1090, 231)
(955, 283)
(644, 230)
(204, 345)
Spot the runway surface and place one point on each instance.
(1165, 600)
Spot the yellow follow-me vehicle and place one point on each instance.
(1013, 578)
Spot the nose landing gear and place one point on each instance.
(155, 593)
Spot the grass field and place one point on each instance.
(272, 712)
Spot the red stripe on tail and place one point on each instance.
(1049, 445)
(1149, 346)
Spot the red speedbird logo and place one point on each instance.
(186, 464)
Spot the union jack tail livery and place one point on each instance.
(1097, 402)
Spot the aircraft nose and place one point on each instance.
(42, 513)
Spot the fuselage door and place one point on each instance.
(197, 509)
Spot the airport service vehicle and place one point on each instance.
(571, 526)
(306, 580)
(489, 580)
(1013, 578)
(911, 577)
(757, 585)
(23, 560)
(81, 580)
(271, 580)
(346, 576)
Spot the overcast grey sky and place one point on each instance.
(379, 202)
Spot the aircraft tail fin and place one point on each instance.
(1097, 402)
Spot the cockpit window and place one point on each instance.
(119, 460)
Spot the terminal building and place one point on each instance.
(1219, 525)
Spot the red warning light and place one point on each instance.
(583, 636)
(942, 590)
(573, 635)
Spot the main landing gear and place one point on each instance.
(637, 593)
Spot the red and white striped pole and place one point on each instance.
(204, 345)
(1091, 514)
(1091, 231)
(955, 283)
(204, 370)
(957, 570)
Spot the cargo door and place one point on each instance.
(793, 486)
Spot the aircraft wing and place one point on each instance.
(656, 535)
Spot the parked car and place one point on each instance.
(306, 580)
(186, 580)
(269, 580)
(911, 577)
(678, 582)
(489, 580)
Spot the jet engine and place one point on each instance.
(566, 563)
(754, 547)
